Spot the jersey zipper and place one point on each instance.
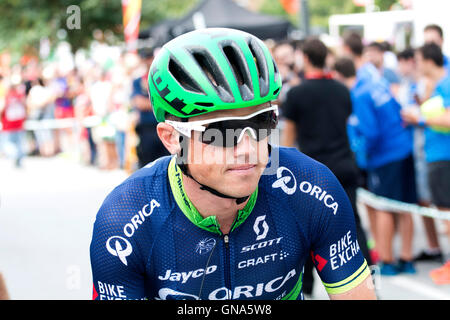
(226, 240)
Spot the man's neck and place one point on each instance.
(310, 69)
(350, 82)
(359, 62)
(208, 204)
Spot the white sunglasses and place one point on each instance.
(258, 124)
(185, 128)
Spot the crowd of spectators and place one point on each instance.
(379, 119)
(99, 112)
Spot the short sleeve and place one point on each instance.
(292, 106)
(136, 88)
(443, 90)
(335, 250)
(115, 260)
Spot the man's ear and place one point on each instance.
(169, 137)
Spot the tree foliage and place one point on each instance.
(25, 22)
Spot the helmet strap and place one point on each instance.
(184, 168)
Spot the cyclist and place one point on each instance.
(227, 216)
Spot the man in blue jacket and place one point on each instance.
(386, 153)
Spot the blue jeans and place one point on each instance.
(12, 145)
(120, 145)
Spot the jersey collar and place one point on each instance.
(184, 203)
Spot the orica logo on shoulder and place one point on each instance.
(283, 181)
(139, 218)
(117, 248)
(320, 194)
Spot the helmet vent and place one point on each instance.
(276, 72)
(233, 59)
(261, 67)
(183, 77)
(214, 75)
(240, 69)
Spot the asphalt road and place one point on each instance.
(47, 210)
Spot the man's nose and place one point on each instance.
(247, 143)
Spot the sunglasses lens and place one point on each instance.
(229, 133)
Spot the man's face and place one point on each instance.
(432, 36)
(421, 64)
(406, 67)
(374, 56)
(284, 57)
(148, 61)
(234, 171)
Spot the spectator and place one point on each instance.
(2, 106)
(353, 48)
(433, 33)
(40, 101)
(119, 113)
(149, 147)
(63, 109)
(83, 109)
(388, 146)
(284, 55)
(13, 116)
(330, 60)
(389, 57)
(435, 116)
(375, 54)
(104, 134)
(298, 60)
(317, 123)
(408, 78)
(408, 98)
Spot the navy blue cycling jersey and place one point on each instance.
(149, 241)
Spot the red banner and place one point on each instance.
(360, 3)
(290, 6)
(131, 10)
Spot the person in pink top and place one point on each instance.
(13, 115)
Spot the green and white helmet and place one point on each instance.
(211, 69)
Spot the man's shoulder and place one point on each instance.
(335, 89)
(362, 89)
(304, 87)
(139, 194)
(376, 91)
(152, 170)
(310, 86)
(299, 181)
(444, 84)
(285, 161)
(295, 156)
(130, 218)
